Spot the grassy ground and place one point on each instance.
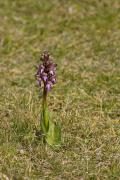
(84, 38)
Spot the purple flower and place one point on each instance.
(51, 72)
(44, 77)
(46, 72)
(40, 70)
(48, 87)
(53, 80)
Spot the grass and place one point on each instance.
(84, 38)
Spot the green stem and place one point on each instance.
(44, 98)
(45, 118)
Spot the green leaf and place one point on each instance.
(51, 130)
(54, 134)
(45, 116)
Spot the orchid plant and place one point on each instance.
(46, 75)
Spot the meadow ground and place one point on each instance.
(84, 39)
